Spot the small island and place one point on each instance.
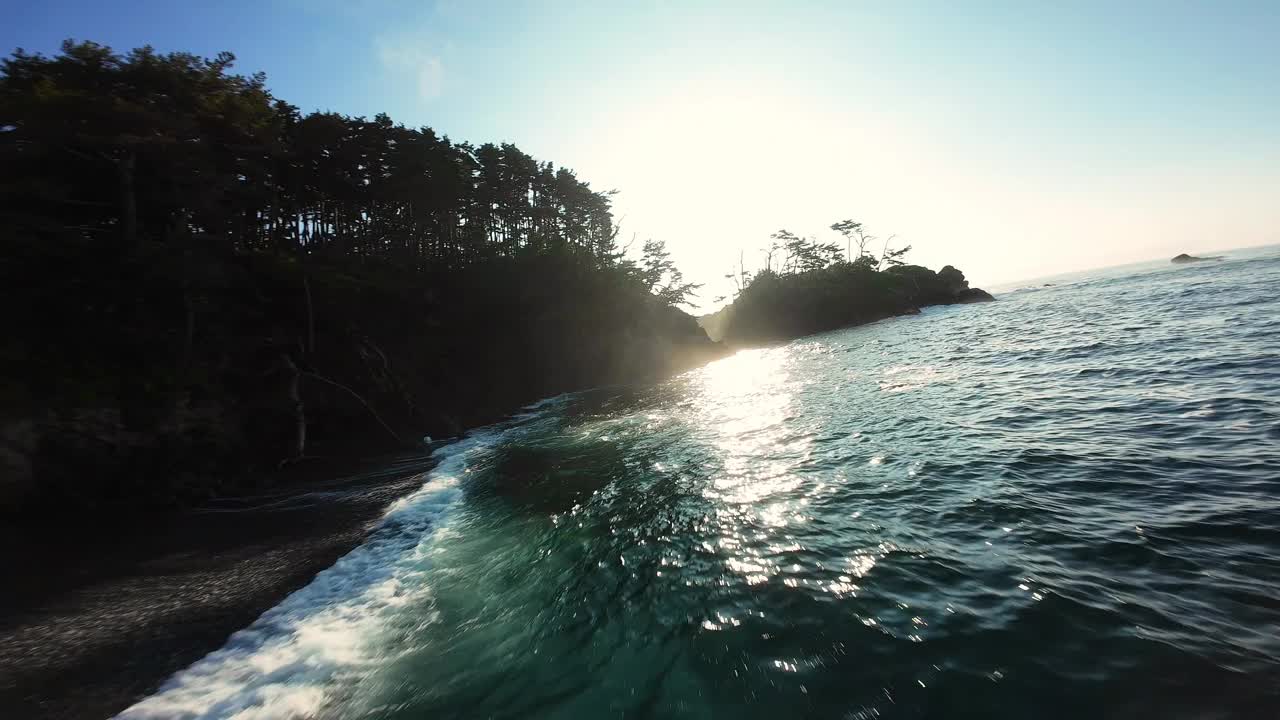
(807, 286)
(1185, 258)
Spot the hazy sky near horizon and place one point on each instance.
(1011, 139)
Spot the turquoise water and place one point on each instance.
(1062, 504)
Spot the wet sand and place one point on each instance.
(91, 623)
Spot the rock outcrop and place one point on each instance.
(1185, 258)
(776, 306)
(973, 295)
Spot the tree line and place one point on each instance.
(171, 148)
(791, 254)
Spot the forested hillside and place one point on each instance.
(205, 284)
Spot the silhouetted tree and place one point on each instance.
(170, 148)
(661, 276)
(801, 254)
(890, 257)
(853, 235)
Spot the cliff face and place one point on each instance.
(134, 387)
(777, 307)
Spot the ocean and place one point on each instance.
(1065, 503)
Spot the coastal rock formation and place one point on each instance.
(973, 295)
(776, 306)
(958, 287)
(1185, 258)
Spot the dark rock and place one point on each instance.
(954, 280)
(1185, 258)
(973, 295)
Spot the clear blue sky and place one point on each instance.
(1012, 139)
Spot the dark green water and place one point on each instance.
(1062, 504)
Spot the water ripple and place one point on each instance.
(1062, 504)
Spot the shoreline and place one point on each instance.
(98, 619)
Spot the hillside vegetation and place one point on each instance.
(205, 285)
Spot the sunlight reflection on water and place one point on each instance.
(963, 513)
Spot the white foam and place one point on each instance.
(287, 662)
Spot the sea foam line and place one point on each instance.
(287, 661)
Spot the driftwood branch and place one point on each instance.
(363, 402)
(311, 315)
(299, 408)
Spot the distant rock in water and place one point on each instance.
(1185, 258)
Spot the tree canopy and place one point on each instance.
(105, 148)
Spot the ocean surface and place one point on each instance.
(1065, 503)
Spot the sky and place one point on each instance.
(1013, 140)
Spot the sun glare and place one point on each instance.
(766, 158)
